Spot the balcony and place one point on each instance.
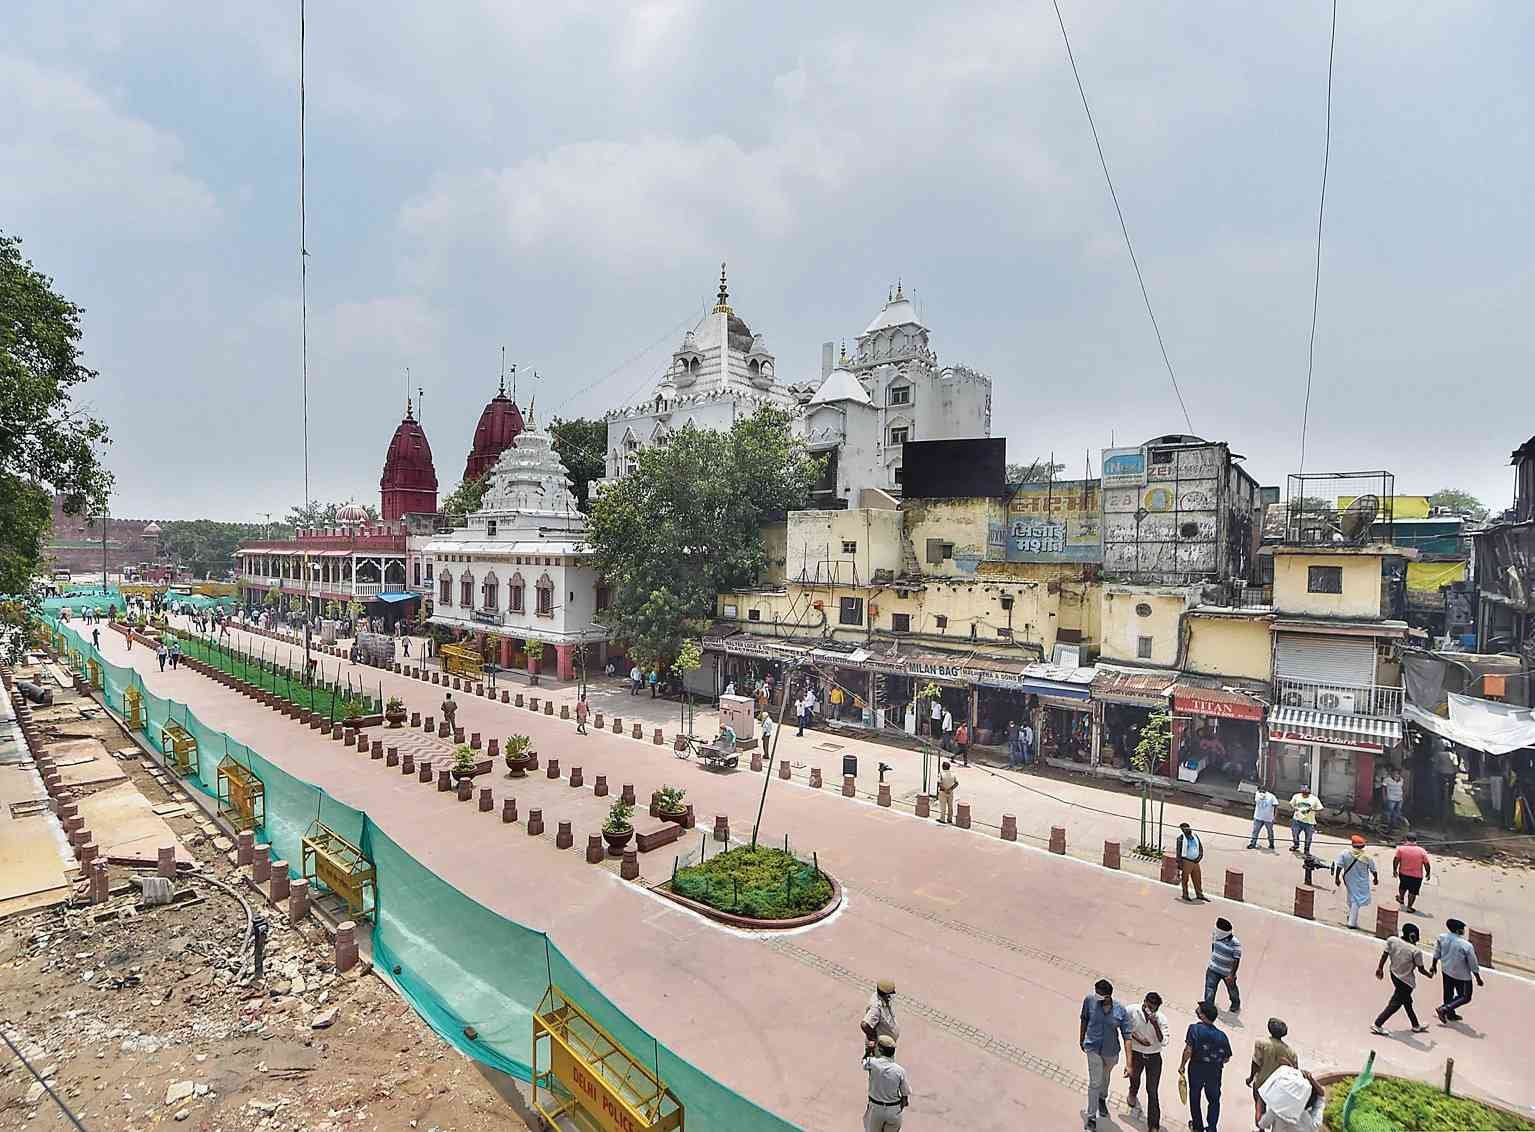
(1340, 699)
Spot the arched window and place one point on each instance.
(445, 588)
(466, 591)
(516, 593)
(545, 596)
(491, 591)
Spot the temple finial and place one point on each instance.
(407, 406)
(722, 301)
(898, 286)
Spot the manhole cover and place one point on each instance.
(828, 747)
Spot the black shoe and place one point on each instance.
(1092, 1124)
(1103, 1108)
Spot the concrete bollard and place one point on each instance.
(509, 810)
(458, 734)
(518, 702)
(783, 769)
(493, 748)
(458, 684)
(594, 849)
(465, 789)
(924, 806)
(474, 740)
(721, 827)
(1058, 839)
(165, 865)
(487, 800)
(392, 757)
(849, 786)
(415, 719)
(564, 711)
(630, 868)
(278, 883)
(1169, 873)
(444, 781)
(597, 720)
(346, 946)
(479, 690)
(575, 777)
(600, 787)
(627, 793)
(883, 797)
(535, 822)
(660, 740)
(1385, 923)
(549, 707)
(563, 838)
(1481, 944)
(376, 749)
(1234, 885)
(348, 736)
(88, 853)
(444, 730)
(554, 768)
(962, 817)
(429, 725)
(532, 703)
(756, 763)
(261, 864)
(100, 887)
(425, 771)
(637, 731)
(363, 741)
(245, 843)
(408, 763)
(298, 899)
(1305, 902)
(1111, 854)
(506, 697)
(1009, 827)
(815, 778)
(618, 725)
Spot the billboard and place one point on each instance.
(1056, 522)
(953, 469)
(1124, 467)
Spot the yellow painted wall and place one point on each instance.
(1122, 625)
(1230, 646)
(814, 548)
(775, 539)
(964, 522)
(1361, 585)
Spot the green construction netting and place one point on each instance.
(83, 599)
(459, 963)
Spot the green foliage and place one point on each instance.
(581, 443)
(394, 703)
(273, 596)
(517, 745)
(206, 545)
(772, 884)
(1155, 741)
(670, 798)
(535, 650)
(354, 608)
(277, 679)
(1392, 1104)
(467, 497)
(1035, 471)
(464, 758)
(1461, 502)
(685, 525)
(690, 657)
(618, 819)
(322, 514)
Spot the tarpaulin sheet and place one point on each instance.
(1481, 725)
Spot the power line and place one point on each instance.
(1123, 227)
(1316, 283)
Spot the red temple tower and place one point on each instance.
(409, 482)
(500, 425)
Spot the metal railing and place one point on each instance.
(1341, 699)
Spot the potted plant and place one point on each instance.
(535, 654)
(618, 829)
(669, 804)
(394, 711)
(519, 755)
(464, 761)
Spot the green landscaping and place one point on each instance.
(1391, 1104)
(761, 883)
(331, 699)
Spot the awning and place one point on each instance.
(396, 597)
(1482, 725)
(1138, 689)
(1310, 726)
(1219, 702)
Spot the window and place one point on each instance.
(896, 472)
(1324, 579)
(428, 573)
(1143, 648)
(490, 528)
(445, 590)
(416, 574)
(850, 611)
(898, 435)
(939, 551)
(754, 615)
(730, 609)
(900, 395)
(491, 591)
(942, 622)
(466, 591)
(545, 597)
(900, 622)
(605, 599)
(1163, 457)
(1004, 634)
(849, 547)
(516, 593)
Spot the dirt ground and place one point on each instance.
(143, 1016)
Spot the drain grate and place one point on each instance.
(30, 808)
(828, 747)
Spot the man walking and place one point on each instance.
(799, 716)
(889, 1092)
(947, 784)
(162, 654)
(1026, 733)
(1303, 809)
(96, 638)
(1406, 961)
(1014, 745)
(879, 1019)
(1446, 768)
(1102, 1023)
(1356, 874)
(962, 740)
(948, 730)
(1268, 1055)
(1206, 1049)
(1148, 1038)
(1225, 959)
(936, 717)
(582, 711)
(449, 711)
(1265, 805)
(635, 677)
(175, 654)
(1392, 791)
(1454, 953)
(1409, 864)
(1190, 850)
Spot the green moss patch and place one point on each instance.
(1391, 1104)
(761, 883)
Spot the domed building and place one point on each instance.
(501, 423)
(409, 482)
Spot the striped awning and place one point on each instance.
(1307, 725)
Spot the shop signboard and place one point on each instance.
(1055, 522)
(748, 645)
(956, 673)
(1124, 467)
(1196, 702)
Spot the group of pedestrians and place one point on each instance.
(168, 654)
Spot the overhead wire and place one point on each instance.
(1316, 283)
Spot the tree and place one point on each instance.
(1036, 471)
(316, 514)
(581, 443)
(685, 525)
(467, 497)
(1461, 502)
(47, 445)
(207, 545)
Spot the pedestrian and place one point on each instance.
(1148, 1038)
(654, 679)
(948, 782)
(1190, 851)
(1028, 742)
(1206, 1049)
(1014, 745)
(1292, 1102)
(1265, 805)
(1354, 872)
(799, 715)
(1269, 1054)
(405, 641)
(935, 727)
(1303, 810)
(162, 654)
(879, 1019)
(889, 1091)
(1225, 959)
(1406, 961)
(1446, 768)
(1457, 957)
(1102, 1023)
(635, 677)
(96, 639)
(449, 710)
(1392, 790)
(175, 654)
(948, 730)
(1410, 866)
(582, 711)
(730, 688)
(767, 731)
(962, 740)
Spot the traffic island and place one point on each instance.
(761, 888)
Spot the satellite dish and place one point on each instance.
(1357, 519)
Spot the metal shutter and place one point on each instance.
(1331, 660)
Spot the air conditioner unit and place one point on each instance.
(1340, 702)
(1299, 697)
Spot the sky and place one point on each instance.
(564, 180)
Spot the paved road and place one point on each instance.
(993, 945)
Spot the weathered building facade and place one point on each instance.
(1505, 569)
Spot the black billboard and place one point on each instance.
(953, 469)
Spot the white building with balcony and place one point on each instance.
(520, 570)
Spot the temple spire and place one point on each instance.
(722, 304)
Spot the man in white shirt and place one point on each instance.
(799, 715)
(1026, 733)
(1392, 789)
(937, 718)
(1264, 807)
(948, 730)
(1279, 1094)
(1148, 1038)
(889, 1093)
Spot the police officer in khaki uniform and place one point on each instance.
(948, 782)
(888, 1091)
(879, 1019)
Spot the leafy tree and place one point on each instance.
(1036, 471)
(322, 514)
(1155, 741)
(207, 545)
(686, 525)
(581, 443)
(467, 497)
(47, 445)
(1461, 502)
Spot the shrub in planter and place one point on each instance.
(618, 829)
(519, 754)
(464, 762)
(394, 711)
(669, 802)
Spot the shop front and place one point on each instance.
(747, 661)
(1217, 734)
(951, 677)
(1335, 755)
(1124, 700)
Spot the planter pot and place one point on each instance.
(395, 718)
(617, 842)
(461, 775)
(519, 765)
(679, 815)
